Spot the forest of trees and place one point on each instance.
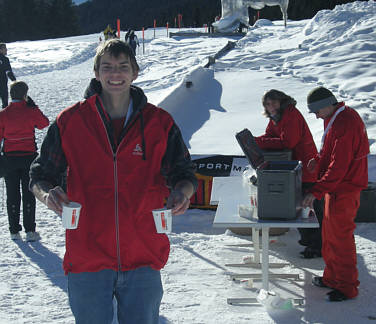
(37, 19)
(41, 19)
(136, 14)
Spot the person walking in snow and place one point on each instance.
(5, 73)
(287, 129)
(137, 159)
(343, 173)
(133, 41)
(126, 37)
(17, 125)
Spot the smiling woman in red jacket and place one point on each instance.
(287, 129)
(17, 125)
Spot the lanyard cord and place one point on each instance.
(330, 125)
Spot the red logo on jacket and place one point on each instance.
(137, 150)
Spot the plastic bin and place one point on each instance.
(279, 191)
(283, 155)
(279, 183)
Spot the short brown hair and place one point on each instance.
(18, 90)
(3, 45)
(115, 47)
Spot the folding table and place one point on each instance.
(230, 192)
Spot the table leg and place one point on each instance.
(265, 258)
(253, 301)
(264, 269)
(256, 244)
(256, 256)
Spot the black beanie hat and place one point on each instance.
(319, 98)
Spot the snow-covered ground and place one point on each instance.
(336, 49)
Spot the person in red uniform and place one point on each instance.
(343, 173)
(122, 157)
(287, 129)
(17, 126)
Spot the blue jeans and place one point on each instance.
(138, 294)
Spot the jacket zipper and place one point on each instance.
(114, 158)
(130, 123)
(117, 212)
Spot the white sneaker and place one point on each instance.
(15, 237)
(32, 236)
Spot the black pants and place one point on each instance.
(17, 175)
(4, 95)
(313, 235)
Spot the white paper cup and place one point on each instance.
(305, 212)
(163, 220)
(245, 211)
(71, 214)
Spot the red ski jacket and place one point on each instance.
(343, 165)
(17, 126)
(291, 132)
(118, 186)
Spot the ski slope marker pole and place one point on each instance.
(143, 40)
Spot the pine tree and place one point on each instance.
(37, 19)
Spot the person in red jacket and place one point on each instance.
(287, 129)
(122, 158)
(17, 125)
(343, 173)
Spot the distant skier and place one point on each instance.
(127, 35)
(132, 40)
(5, 73)
(109, 33)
